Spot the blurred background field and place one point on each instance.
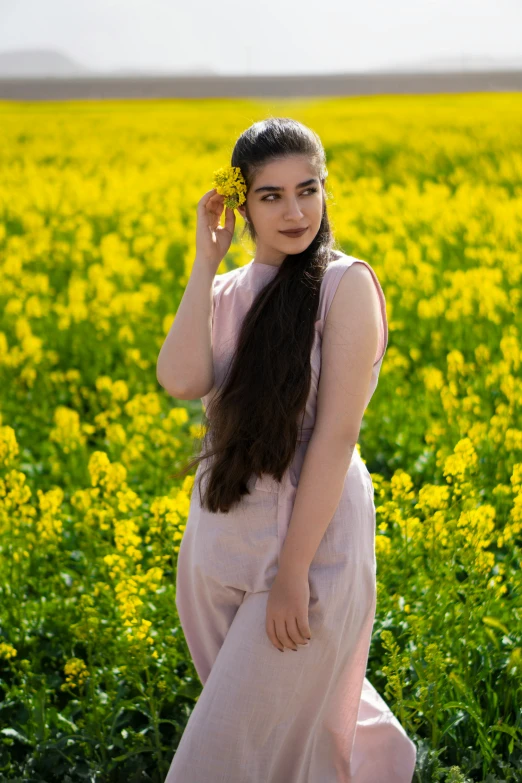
(97, 238)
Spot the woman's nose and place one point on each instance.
(293, 211)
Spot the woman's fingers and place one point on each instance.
(203, 203)
(303, 627)
(282, 633)
(214, 208)
(294, 632)
(284, 637)
(212, 239)
(207, 196)
(211, 202)
(271, 632)
(230, 220)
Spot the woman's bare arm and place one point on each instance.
(184, 366)
(350, 340)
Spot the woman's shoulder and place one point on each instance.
(335, 270)
(340, 262)
(226, 279)
(332, 277)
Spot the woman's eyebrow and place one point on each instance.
(274, 188)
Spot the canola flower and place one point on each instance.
(229, 182)
(76, 673)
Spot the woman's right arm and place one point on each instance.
(184, 367)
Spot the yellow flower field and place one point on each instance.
(97, 238)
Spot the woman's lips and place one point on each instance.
(294, 233)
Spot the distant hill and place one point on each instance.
(40, 62)
(463, 63)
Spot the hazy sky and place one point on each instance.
(302, 36)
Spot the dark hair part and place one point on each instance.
(252, 422)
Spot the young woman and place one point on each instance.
(278, 552)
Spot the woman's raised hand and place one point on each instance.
(212, 239)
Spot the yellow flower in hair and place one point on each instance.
(229, 182)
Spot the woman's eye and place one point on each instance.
(308, 190)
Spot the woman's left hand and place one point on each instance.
(287, 610)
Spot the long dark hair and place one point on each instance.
(252, 423)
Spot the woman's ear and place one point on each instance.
(242, 212)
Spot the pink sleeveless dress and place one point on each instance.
(263, 716)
